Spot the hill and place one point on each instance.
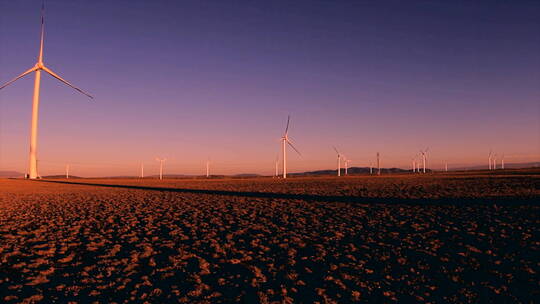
(506, 166)
(352, 170)
(10, 174)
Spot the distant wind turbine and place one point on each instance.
(142, 171)
(378, 164)
(37, 68)
(338, 162)
(494, 161)
(161, 160)
(284, 142)
(502, 162)
(67, 171)
(276, 165)
(424, 154)
(207, 168)
(446, 167)
(490, 155)
(347, 161)
(414, 164)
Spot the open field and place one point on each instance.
(459, 237)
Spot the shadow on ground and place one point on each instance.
(512, 200)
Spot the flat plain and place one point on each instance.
(462, 237)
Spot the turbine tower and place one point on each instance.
(338, 162)
(208, 168)
(284, 142)
(67, 171)
(424, 153)
(160, 160)
(494, 161)
(414, 164)
(37, 68)
(502, 162)
(142, 170)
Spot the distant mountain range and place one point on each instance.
(60, 176)
(352, 170)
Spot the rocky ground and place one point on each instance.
(355, 239)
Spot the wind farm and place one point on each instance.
(263, 152)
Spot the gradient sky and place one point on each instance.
(188, 80)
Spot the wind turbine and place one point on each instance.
(142, 170)
(276, 173)
(424, 153)
(160, 160)
(414, 164)
(378, 164)
(347, 161)
(284, 141)
(490, 155)
(67, 171)
(502, 162)
(37, 68)
(338, 162)
(446, 167)
(494, 161)
(208, 168)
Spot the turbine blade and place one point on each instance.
(65, 82)
(292, 146)
(40, 56)
(335, 149)
(16, 78)
(287, 128)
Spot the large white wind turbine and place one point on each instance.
(502, 162)
(338, 162)
(37, 68)
(284, 142)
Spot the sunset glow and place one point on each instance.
(193, 80)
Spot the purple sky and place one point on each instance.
(188, 80)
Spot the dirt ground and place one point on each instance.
(460, 237)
